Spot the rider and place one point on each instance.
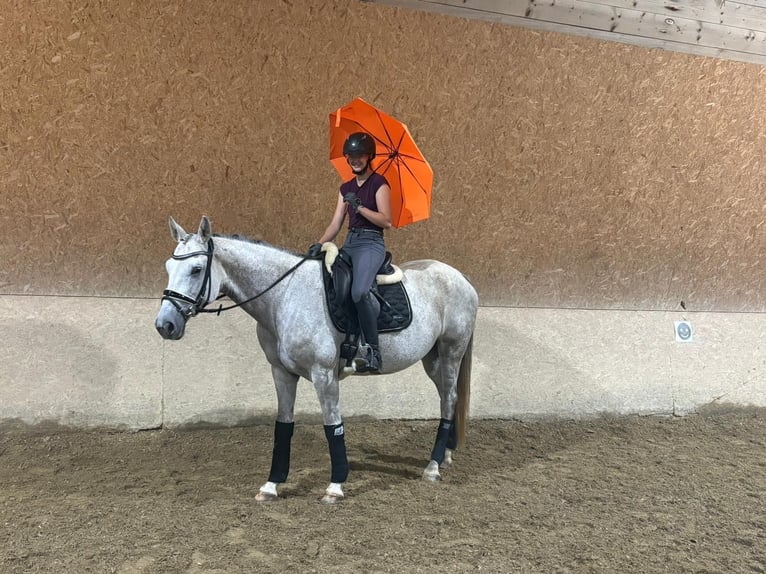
(366, 199)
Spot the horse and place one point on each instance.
(283, 292)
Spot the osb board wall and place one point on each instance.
(568, 171)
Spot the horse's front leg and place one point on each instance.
(287, 385)
(328, 392)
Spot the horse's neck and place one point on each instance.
(251, 268)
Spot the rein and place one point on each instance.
(198, 305)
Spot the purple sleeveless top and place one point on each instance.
(367, 194)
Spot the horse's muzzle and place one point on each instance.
(170, 324)
(169, 331)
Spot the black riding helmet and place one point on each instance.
(359, 143)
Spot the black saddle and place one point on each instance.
(395, 310)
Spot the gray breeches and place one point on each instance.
(367, 251)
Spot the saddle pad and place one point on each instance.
(395, 318)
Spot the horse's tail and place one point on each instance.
(463, 393)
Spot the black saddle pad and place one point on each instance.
(395, 310)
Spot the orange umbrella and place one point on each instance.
(396, 157)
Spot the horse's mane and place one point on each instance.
(246, 239)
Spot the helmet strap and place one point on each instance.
(367, 166)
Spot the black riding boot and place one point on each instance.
(368, 310)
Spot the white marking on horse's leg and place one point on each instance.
(447, 462)
(333, 494)
(267, 493)
(431, 473)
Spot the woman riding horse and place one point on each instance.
(299, 339)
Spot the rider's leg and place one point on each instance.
(367, 254)
(367, 309)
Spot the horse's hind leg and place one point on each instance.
(442, 368)
(451, 446)
(441, 454)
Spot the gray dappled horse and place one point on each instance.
(286, 298)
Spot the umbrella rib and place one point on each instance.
(381, 169)
(388, 162)
(399, 175)
(405, 155)
(412, 157)
(385, 129)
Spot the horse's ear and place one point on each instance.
(204, 229)
(176, 231)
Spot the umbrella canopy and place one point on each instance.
(397, 158)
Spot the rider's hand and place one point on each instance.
(314, 250)
(352, 199)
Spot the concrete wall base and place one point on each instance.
(99, 363)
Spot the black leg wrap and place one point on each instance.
(442, 436)
(452, 440)
(336, 440)
(280, 456)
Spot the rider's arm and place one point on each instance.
(337, 221)
(382, 217)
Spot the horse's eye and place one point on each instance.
(196, 270)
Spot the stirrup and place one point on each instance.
(372, 362)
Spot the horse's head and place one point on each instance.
(193, 280)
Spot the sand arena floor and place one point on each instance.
(608, 495)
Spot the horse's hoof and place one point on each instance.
(332, 498)
(431, 473)
(333, 494)
(267, 493)
(266, 497)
